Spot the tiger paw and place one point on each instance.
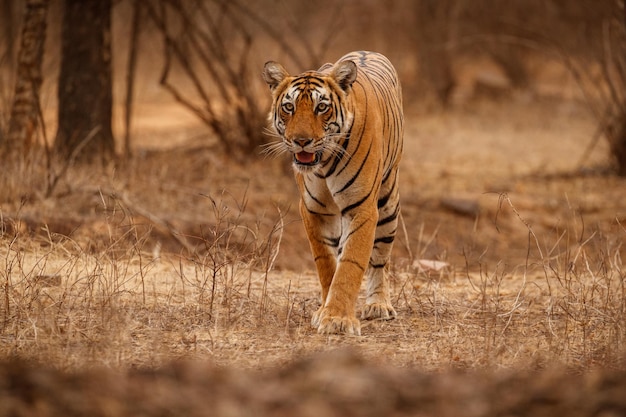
(317, 317)
(381, 311)
(339, 325)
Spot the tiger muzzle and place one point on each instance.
(304, 157)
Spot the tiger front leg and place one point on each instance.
(337, 315)
(325, 263)
(323, 232)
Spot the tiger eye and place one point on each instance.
(321, 108)
(288, 107)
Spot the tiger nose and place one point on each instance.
(302, 142)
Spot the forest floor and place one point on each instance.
(188, 257)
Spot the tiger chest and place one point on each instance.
(317, 196)
(327, 196)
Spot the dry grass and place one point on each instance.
(208, 264)
(65, 306)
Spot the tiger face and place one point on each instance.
(308, 112)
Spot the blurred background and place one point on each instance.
(205, 57)
(164, 104)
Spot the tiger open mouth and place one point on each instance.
(306, 158)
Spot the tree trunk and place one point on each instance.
(85, 83)
(130, 74)
(25, 110)
(619, 144)
(7, 23)
(617, 140)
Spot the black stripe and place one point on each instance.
(389, 218)
(332, 241)
(361, 201)
(356, 175)
(386, 239)
(312, 196)
(382, 202)
(316, 213)
(352, 261)
(353, 231)
(338, 157)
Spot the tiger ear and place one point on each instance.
(274, 74)
(344, 74)
(325, 67)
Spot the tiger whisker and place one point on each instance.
(271, 132)
(341, 152)
(335, 148)
(274, 149)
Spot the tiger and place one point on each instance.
(343, 126)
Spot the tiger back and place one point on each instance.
(343, 127)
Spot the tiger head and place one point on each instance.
(311, 112)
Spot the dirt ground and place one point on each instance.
(189, 273)
(338, 383)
